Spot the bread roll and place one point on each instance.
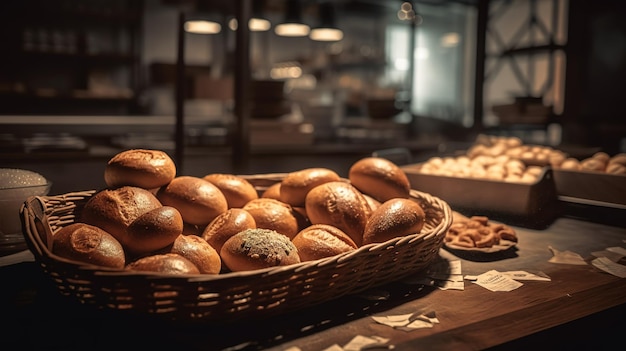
(258, 248)
(88, 244)
(237, 190)
(227, 224)
(394, 218)
(199, 252)
(296, 185)
(142, 168)
(275, 215)
(154, 230)
(168, 263)
(341, 205)
(321, 241)
(272, 192)
(113, 210)
(197, 200)
(379, 178)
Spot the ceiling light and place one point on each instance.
(202, 27)
(292, 26)
(327, 31)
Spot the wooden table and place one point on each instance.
(580, 306)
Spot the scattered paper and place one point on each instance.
(408, 322)
(609, 266)
(617, 250)
(613, 256)
(445, 275)
(522, 275)
(360, 342)
(566, 257)
(496, 281)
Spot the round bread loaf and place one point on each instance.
(154, 230)
(296, 185)
(199, 252)
(321, 241)
(341, 205)
(113, 210)
(148, 169)
(197, 200)
(88, 244)
(272, 192)
(258, 248)
(168, 263)
(275, 215)
(394, 218)
(237, 190)
(379, 178)
(227, 224)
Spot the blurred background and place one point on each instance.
(82, 80)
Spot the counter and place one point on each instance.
(581, 307)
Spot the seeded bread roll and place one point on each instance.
(258, 248)
(379, 178)
(226, 225)
(148, 169)
(341, 205)
(113, 210)
(321, 241)
(394, 218)
(296, 185)
(199, 252)
(168, 263)
(197, 200)
(274, 214)
(237, 190)
(88, 244)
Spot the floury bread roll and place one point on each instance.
(321, 241)
(199, 252)
(237, 190)
(135, 217)
(379, 178)
(198, 200)
(295, 185)
(148, 169)
(88, 244)
(258, 248)
(168, 263)
(341, 205)
(227, 224)
(394, 218)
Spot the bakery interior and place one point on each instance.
(414, 82)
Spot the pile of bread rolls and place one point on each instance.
(598, 162)
(148, 218)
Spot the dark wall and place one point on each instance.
(595, 98)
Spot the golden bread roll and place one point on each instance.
(197, 200)
(237, 190)
(113, 210)
(258, 248)
(341, 205)
(394, 218)
(571, 163)
(199, 252)
(321, 241)
(379, 178)
(88, 244)
(227, 224)
(616, 168)
(593, 164)
(295, 185)
(168, 263)
(154, 230)
(274, 214)
(272, 192)
(618, 159)
(148, 169)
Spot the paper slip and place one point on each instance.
(522, 275)
(360, 342)
(408, 322)
(566, 257)
(609, 266)
(617, 250)
(496, 281)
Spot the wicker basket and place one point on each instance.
(233, 296)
